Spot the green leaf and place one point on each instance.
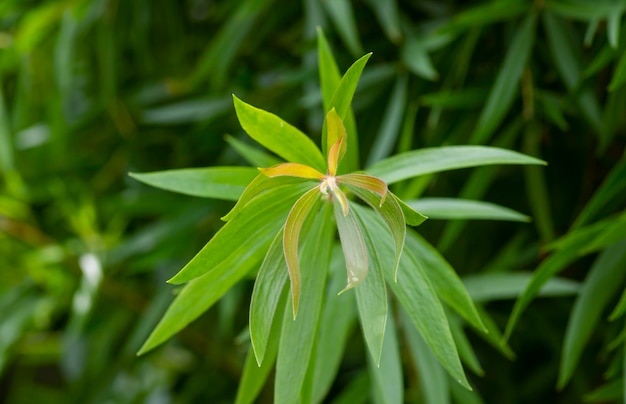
(387, 386)
(417, 296)
(291, 237)
(619, 76)
(456, 208)
(411, 216)
(497, 286)
(466, 352)
(298, 336)
(485, 13)
(433, 378)
(340, 11)
(212, 182)
(264, 213)
(443, 278)
(336, 325)
(198, 110)
(329, 72)
(6, 145)
(620, 309)
(342, 98)
(278, 136)
(432, 160)
(335, 132)
(388, 16)
(253, 155)
(507, 82)
(391, 213)
(266, 294)
(415, 55)
(353, 246)
(605, 278)
(371, 300)
(460, 99)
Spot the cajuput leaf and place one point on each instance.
(211, 182)
(291, 236)
(392, 214)
(266, 294)
(278, 136)
(353, 246)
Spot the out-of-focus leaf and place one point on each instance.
(461, 99)
(278, 136)
(609, 392)
(6, 145)
(466, 352)
(619, 76)
(342, 97)
(253, 155)
(417, 296)
(620, 309)
(391, 123)
(291, 237)
(604, 279)
(503, 91)
(432, 160)
(298, 336)
(494, 336)
(487, 13)
(456, 208)
(356, 392)
(264, 213)
(329, 72)
(353, 246)
(433, 378)
(186, 111)
(268, 289)
(496, 286)
(211, 182)
(387, 377)
(342, 15)
(613, 233)
(582, 10)
(388, 16)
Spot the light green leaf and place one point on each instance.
(298, 336)
(212, 182)
(372, 300)
(411, 216)
(387, 378)
(291, 237)
(342, 98)
(264, 213)
(507, 82)
(417, 296)
(342, 15)
(443, 278)
(604, 279)
(433, 378)
(253, 155)
(353, 246)
(415, 55)
(432, 160)
(267, 291)
(497, 286)
(392, 214)
(456, 208)
(278, 136)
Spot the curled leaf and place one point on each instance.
(342, 200)
(368, 182)
(336, 132)
(353, 246)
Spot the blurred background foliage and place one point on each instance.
(93, 89)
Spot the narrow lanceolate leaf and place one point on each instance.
(432, 160)
(260, 184)
(278, 136)
(329, 72)
(353, 247)
(213, 182)
(292, 170)
(391, 213)
(507, 82)
(268, 288)
(291, 236)
(605, 279)
(335, 132)
(387, 386)
(345, 90)
(456, 208)
(255, 156)
(372, 300)
(418, 297)
(267, 211)
(620, 309)
(367, 182)
(411, 216)
(334, 156)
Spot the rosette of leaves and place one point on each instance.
(283, 225)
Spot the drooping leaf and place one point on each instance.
(212, 182)
(411, 216)
(266, 294)
(298, 336)
(387, 377)
(353, 246)
(604, 279)
(456, 208)
(368, 182)
(278, 136)
(265, 212)
(291, 237)
(432, 160)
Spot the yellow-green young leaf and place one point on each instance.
(432, 160)
(367, 182)
(411, 216)
(292, 170)
(261, 183)
(334, 157)
(267, 211)
(392, 214)
(278, 136)
(353, 247)
(267, 291)
(213, 182)
(291, 236)
(335, 132)
(456, 208)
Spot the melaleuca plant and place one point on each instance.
(285, 225)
